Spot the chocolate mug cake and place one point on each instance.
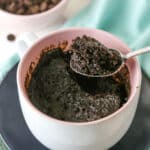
(61, 93)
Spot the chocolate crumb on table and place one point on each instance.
(11, 37)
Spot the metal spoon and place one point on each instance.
(124, 58)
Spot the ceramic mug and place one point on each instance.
(55, 134)
(33, 22)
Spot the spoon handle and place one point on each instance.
(137, 52)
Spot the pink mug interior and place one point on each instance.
(69, 34)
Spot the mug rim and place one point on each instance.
(40, 14)
(130, 98)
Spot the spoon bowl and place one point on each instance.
(123, 58)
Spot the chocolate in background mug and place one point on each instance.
(62, 135)
(34, 22)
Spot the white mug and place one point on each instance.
(34, 22)
(55, 134)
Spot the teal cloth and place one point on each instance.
(127, 19)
